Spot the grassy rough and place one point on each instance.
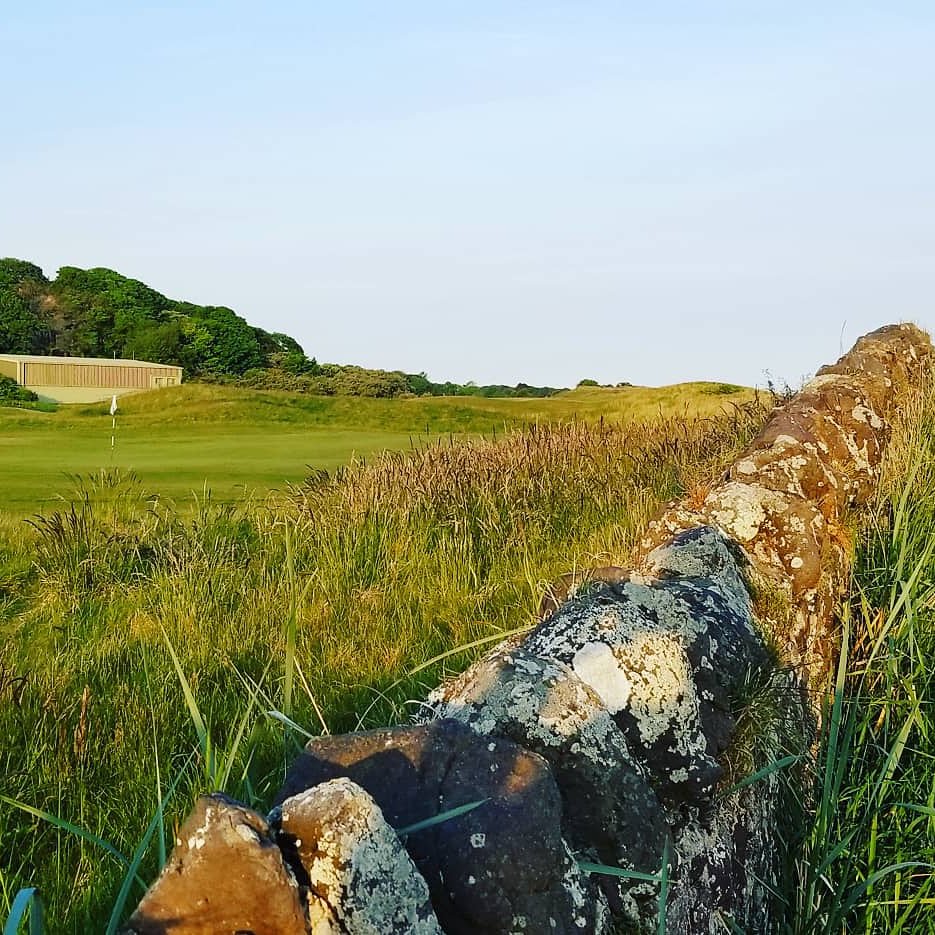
(142, 644)
(231, 439)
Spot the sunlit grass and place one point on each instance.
(235, 441)
(151, 653)
(148, 653)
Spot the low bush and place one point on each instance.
(12, 392)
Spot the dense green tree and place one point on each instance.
(14, 272)
(161, 342)
(23, 327)
(419, 384)
(100, 313)
(220, 340)
(285, 344)
(101, 309)
(21, 330)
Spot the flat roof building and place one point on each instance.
(86, 379)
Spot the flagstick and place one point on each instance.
(113, 427)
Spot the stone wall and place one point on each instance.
(616, 733)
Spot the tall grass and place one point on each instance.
(142, 645)
(868, 861)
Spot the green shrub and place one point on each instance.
(722, 389)
(12, 392)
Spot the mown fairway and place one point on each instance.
(234, 441)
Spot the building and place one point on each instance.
(86, 379)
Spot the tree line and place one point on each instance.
(100, 313)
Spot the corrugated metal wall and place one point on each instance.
(118, 376)
(8, 368)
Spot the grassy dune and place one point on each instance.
(142, 646)
(231, 440)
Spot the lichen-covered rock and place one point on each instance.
(665, 655)
(835, 414)
(226, 876)
(783, 534)
(891, 356)
(610, 813)
(790, 459)
(359, 878)
(726, 867)
(502, 867)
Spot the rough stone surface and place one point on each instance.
(226, 876)
(502, 867)
(610, 813)
(358, 877)
(665, 656)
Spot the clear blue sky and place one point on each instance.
(496, 191)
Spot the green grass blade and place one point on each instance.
(291, 625)
(834, 760)
(483, 641)
(131, 875)
(607, 870)
(156, 769)
(201, 728)
(441, 817)
(923, 809)
(135, 861)
(57, 822)
(283, 719)
(29, 902)
(857, 893)
(227, 761)
(761, 773)
(832, 855)
(895, 753)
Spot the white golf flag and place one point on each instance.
(113, 406)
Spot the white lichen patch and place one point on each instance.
(596, 665)
(543, 701)
(247, 833)
(663, 697)
(862, 413)
(742, 509)
(357, 865)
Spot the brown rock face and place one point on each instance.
(226, 876)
